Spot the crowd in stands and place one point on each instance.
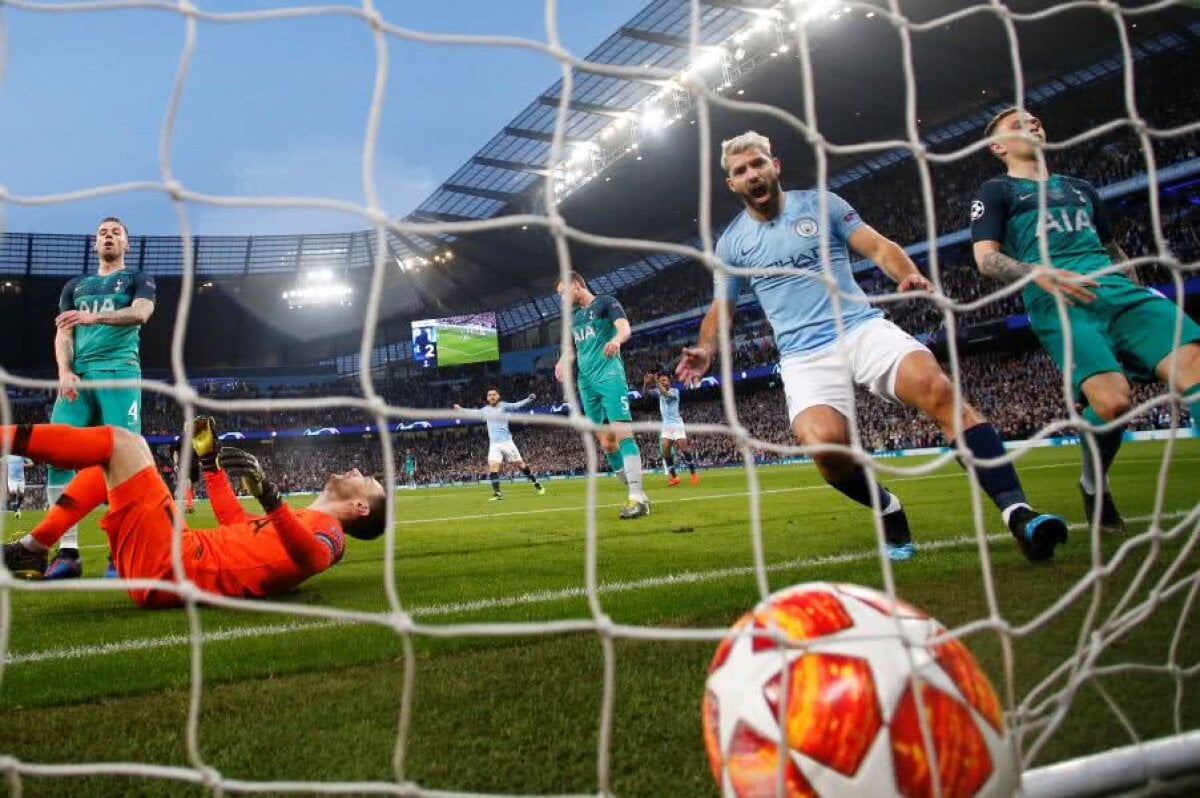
(1165, 98)
(1019, 392)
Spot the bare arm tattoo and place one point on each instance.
(1003, 268)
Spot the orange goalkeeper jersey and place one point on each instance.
(259, 555)
(247, 556)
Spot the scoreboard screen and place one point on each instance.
(455, 340)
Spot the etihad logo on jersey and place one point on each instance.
(1067, 220)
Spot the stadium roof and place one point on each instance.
(631, 169)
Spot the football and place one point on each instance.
(835, 675)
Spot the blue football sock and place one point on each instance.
(999, 482)
(857, 487)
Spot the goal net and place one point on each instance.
(1092, 656)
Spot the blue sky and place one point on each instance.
(274, 107)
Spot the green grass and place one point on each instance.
(520, 713)
(456, 347)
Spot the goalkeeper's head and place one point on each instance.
(357, 501)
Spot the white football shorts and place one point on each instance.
(674, 433)
(503, 453)
(873, 352)
(16, 487)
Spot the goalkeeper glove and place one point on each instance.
(204, 442)
(245, 466)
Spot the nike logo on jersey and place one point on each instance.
(1023, 197)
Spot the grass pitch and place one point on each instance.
(456, 347)
(90, 678)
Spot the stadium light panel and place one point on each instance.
(708, 58)
(653, 118)
(818, 8)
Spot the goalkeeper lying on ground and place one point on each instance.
(247, 556)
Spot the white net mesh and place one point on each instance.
(1161, 558)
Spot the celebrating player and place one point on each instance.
(501, 448)
(1119, 330)
(673, 437)
(16, 482)
(97, 339)
(247, 556)
(598, 328)
(783, 229)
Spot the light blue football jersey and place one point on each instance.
(798, 306)
(497, 424)
(16, 468)
(668, 407)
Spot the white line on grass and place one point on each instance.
(503, 602)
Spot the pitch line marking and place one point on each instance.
(504, 602)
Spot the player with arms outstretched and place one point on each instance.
(15, 495)
(598, 328)
(783, 229)
(1119, 330)
(501, 448)
(673, 436)
(99, 322)
(247, 556)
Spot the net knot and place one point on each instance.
(401, 622)
(604, 625)
(210, 777)
(174, 188)
(185, 394)
(371, 15)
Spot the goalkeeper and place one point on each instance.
(247, 556)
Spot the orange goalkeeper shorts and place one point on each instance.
(139, 523)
